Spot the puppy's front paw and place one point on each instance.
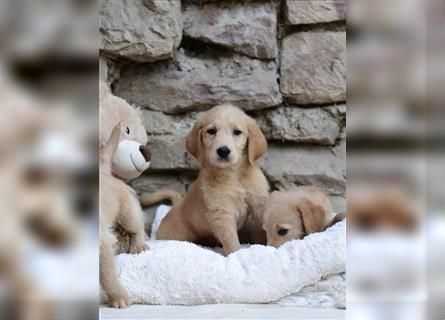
(119, 301)
(138, 248)
(232, 249)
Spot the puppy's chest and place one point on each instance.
(228, 197)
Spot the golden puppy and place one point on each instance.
(231, 189)
(293, 214)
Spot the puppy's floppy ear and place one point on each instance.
(193, 142)
(257, 144)
(312, 215)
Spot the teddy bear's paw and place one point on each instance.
(135, 249)
(119, 301)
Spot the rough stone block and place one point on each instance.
(313, 67)
(248, 28)
(314, 11)
(140, 30)
(190, 82)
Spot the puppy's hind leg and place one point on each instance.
(172, 228)
(132, 220)
(117, 297)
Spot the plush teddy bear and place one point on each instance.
(132, 156)
(123, 155)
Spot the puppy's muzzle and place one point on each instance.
(223, 152)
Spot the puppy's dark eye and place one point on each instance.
(211, 131)
(237, 132)
(282, 231)
(127, 130)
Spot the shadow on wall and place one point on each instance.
(395, 172)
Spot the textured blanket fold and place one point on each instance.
(174, 272)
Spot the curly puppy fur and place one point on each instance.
(230, 191)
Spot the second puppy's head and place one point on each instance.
(225, 135)
(294, 214)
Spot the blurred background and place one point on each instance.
(48, 159)
(395, 160)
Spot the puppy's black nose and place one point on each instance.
(223, 152)
(145, 150)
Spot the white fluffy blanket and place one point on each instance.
(304, 272)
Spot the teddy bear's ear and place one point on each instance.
(108, 114)
(103, 90)
(112, 143)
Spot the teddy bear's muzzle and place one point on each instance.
(145, 150)
(130, 159)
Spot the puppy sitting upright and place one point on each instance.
(294, 214)
(230, 190)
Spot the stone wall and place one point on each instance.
(281, 61)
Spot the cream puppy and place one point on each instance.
(294, 214)
(230, 192)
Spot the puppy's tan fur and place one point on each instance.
(228, 195)
(296, 213)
